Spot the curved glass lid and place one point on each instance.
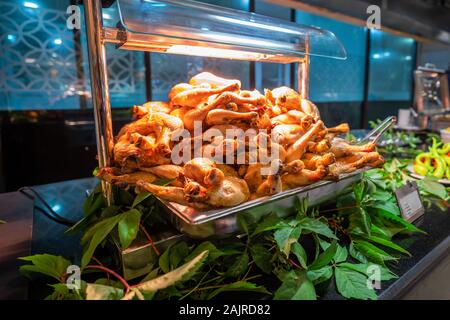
(189, 27)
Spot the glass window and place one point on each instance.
(44, 65)
(337, 80)
(169, 69)
(391, 67)
(38, 67)
(434, 54)
(272, 75)
(126, 69)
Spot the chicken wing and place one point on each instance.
(286, 98)
(267, 149)
(221, 150)
(147, 141)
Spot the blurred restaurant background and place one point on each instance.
(47, 125)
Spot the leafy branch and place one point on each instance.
(295, 257)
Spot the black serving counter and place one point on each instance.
(424, 275)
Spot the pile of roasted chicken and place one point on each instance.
(223, 171)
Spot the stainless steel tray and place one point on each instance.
(217, 222)
(203, 224)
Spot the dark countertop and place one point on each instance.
(66, 199)
(17, 212)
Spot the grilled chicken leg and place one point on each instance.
(342, 148)
(296, 151)
(222, 116)
(193, 97)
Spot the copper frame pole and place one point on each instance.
(303, 73)
(99, 87)
(303, 77)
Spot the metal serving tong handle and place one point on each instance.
(375, 135)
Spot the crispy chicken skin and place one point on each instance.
(222, 116)
(212, 80)
(285, 145)
(231, 192)
(200, 112)
(193, 97)
(204, 171)
(304, 177)
(342, 148)
(114, 176)
(150, 107)
(353, 162)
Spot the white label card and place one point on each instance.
(408, 199)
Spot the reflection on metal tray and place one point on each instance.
(203, 224)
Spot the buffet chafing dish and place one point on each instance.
(192, 28)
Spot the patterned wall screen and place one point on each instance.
(337, 80)
(391, 67)
(38, 64)
(44, 66)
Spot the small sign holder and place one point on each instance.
(409, 202)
